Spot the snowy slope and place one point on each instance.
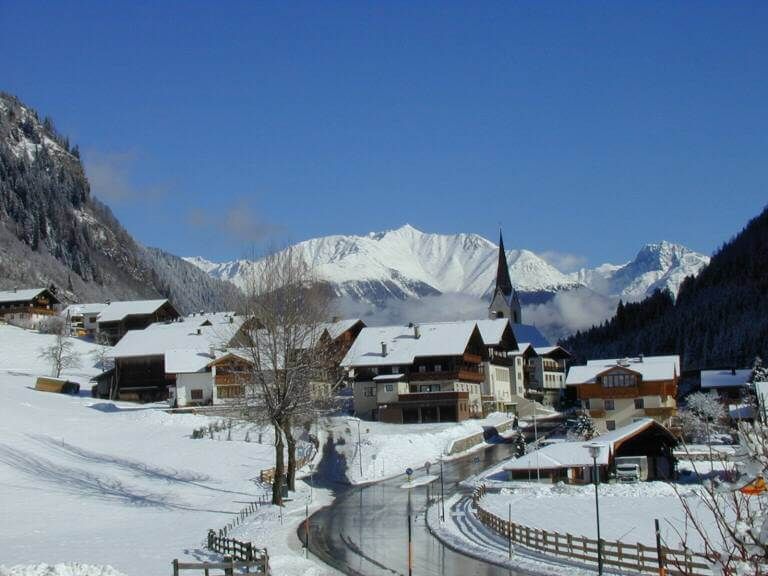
(656, 266)
(407, 263)
(105, 483)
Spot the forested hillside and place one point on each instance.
(720, 317)
(53, 231)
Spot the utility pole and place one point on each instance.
(536, 442)
(410, 537)
(442, 492)
(360, 448)
(594, 452)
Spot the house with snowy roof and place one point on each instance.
(230, 367)
(615, 392)
(83, 318)
(117, 318)
(729, 383)
(430, 372)
(169, 360)
(28, 307)
(571, 462)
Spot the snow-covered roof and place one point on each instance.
(651, 368)
(645, 359)
(492, 330)
(546, 350)
(186, 361)
(724, 378)
(185, 334)
(20, 295)
(117, 311)
(83, 309)
(435, 339)
(530, 334)
(336, 329)
(522, 348)
(573, 454)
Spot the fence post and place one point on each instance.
(176, 567)
(640, 559)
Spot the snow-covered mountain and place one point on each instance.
(407, 263)
(656, 266)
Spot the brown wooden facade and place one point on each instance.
(114, 331)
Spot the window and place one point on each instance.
(422, 369)
(389, 387)
(196, 394)
(619, 380)
(639, 403)
(438, 367)
(586, 404)
(375, 369)
(609, 405)
(368, 392)
(610, 424)
(395, 369)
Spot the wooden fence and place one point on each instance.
(243, 514)
(268, 476)
(636, 557)
(227, 568)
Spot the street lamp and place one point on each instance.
(594, 451)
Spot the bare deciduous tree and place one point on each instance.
(287, 350)
(730, 514)
(61, 354)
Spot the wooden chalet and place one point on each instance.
(420, 373)
(117, 318)
(29, 307)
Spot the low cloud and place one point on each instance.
(438, 308)
(563, 261)
(238, 222)
(110, 177)
(569, 311)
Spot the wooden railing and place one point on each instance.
(238, 550)
(267, 476)
(635, 557)
(228, 568)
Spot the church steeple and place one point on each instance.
(503, 281)
(505, 303)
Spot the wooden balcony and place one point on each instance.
(597, 413)
(665, 388)
(462, 375)
(472, 358)
(433, 397)
(662, 412)
(229, 379)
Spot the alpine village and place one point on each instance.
(394, 402)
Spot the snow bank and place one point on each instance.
(627, 511)
(386, 450)
(68, 569)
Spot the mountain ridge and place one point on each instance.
(407, 263)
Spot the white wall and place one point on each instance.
(185, 383)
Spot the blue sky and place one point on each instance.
(586, 128)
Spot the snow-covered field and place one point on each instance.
(386, 450)
(107, 483)
(627, 511)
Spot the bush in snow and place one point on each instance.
(704, 414)
(759, 372)
(583, 429)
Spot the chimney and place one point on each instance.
(383, 348)
(733, 371)
(640, 358)
(231, 320)
(199, 331)
(416, 332)
(335, 319)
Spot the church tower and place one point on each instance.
(505, 303)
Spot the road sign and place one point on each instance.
(409, 471)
